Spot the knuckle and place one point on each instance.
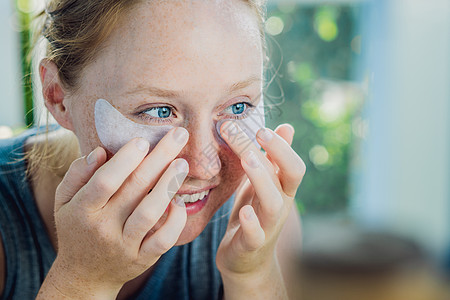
(162, 245)
(75, 170)
(143, 220)
(275, 208)
(130, 233)
(298, 172)
(61, 189)
(302, 166)
(137, 179)
(278, 205)
(76, 164)
(257, 242)
(140, 262)
(103, 233)
(103, 184)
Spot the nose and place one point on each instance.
(202, 150)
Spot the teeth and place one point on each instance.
(194, 197)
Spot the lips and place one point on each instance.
(194, 207)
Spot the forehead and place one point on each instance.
(182, 45)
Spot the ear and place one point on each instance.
(53, 92)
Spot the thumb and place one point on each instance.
(253, 236)
(79, 173)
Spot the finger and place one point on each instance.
(270, 202)
(291, 166)
(153, 206)
(239, 142)
(109, 177)
(286, 131)
(253, 236)
(79, 173)
(167, 235)
(245, 193)
(144, 178)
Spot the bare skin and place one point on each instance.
(201, 50)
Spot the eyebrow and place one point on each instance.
(164, 93)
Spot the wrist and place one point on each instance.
(63, 283)
(264, 283)
(254, 267)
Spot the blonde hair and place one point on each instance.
(75, 31)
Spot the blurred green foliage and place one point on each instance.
(315, 48)
(24, 17)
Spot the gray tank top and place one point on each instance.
(184, 272)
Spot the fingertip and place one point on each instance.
(254, 235)
(180, 134)
(102, 155)
(181, 165)
(96, 156)
(91, 159)
(248, 213)
(228, 128)
(286, 131)
(142, 144)
(223, 125)
(291, 128)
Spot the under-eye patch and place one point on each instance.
(115, 130)
(250, 125)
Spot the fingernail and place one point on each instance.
(265, 135)
(251, 159)
(180, 135)
(92, 157)
(179, 201)
(142, 144)
(181, 165)
(230, 129)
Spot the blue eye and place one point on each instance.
(159, 112)
(237, 108)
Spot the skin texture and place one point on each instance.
(200, 49)
(202, 58)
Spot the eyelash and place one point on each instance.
(245, 113)
(146, 117)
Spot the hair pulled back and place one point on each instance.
(76, 29)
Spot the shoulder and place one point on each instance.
(11, 167)
(12, 171)
(12, 149)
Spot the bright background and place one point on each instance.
(366, 86)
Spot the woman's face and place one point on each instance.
(180, 63)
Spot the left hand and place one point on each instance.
(263, 200)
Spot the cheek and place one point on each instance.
(231, 172)
(84, 128)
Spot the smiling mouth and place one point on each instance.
(191, 198)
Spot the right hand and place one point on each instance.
(105, 216)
